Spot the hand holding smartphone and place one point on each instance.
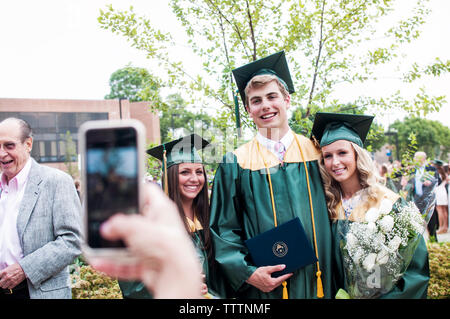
(112, 166)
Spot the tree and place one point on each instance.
(70, 154)
(322, 38)
(134, 84)
(302, 123)
(431, 136)
(174, 115)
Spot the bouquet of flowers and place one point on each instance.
(378, 250)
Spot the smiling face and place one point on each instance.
(191, 179)
(340, 161)
(268, 107)
(14, 153)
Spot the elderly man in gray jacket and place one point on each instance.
(40, 220)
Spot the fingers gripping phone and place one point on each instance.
(112, 167)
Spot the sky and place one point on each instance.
(55, 49)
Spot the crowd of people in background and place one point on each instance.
(394, 179)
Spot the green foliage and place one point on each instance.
(302, 124)
(70, 155)
(134, 84)
(153, 166)
(328, 43)
(175, 116)
(408, 164)
(432, 137)
(439, 257)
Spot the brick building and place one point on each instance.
(52, 119)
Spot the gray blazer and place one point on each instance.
(49, 228)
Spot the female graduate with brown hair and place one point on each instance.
(185, 182)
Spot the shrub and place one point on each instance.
(87, 283)
(439, 286)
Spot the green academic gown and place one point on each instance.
(241, 209)
(414, 282)
(214, 279)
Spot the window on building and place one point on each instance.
(53, 130)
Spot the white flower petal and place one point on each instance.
(385, 206)
(387, 223)
(372, 215)
(369, 261)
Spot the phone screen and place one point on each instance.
(111, 179)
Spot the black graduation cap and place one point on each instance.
(330, 127)
(275, 64)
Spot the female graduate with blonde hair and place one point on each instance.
(353, 188)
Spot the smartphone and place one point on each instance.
(112, 169)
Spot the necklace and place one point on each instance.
(349, 204)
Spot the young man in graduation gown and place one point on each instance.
(266, 182)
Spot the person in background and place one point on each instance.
(77, 184)
(447, 187)
(421, 187)
(442, 198)
(383, 171)
(40, 220)
(167, 263)
(353, 186)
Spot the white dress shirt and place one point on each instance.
(11, 195)
(286, 140)
(418, 180)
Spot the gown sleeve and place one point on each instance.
(134, 290)
(226, 224)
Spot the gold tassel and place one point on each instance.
(319, 273)
(319, 285)
(285, 291)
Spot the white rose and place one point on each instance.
(372, 215)
(386, 224)
(371, 227)
(395, 243)
(385, 206)
(369, 261)
(382, 257)
(357, 255)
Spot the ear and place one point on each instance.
(29, 144)
(287, 99)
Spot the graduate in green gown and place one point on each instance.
(352, 187)
(266, 182)
(185, 182)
